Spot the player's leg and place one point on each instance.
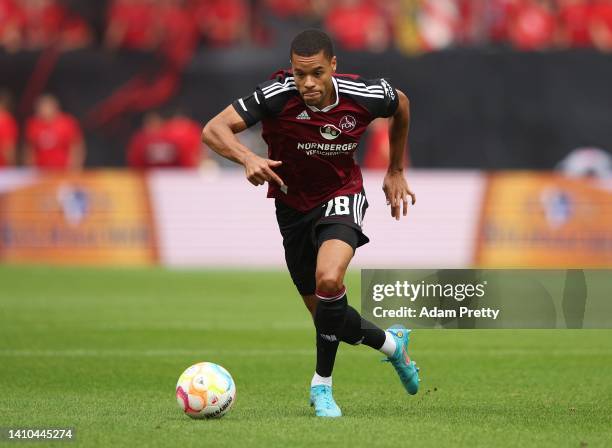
(337, 238)
(332, 261)
(393, 342)
(337, 245)
(300, 250)
(300, 247)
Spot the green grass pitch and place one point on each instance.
(101, 350)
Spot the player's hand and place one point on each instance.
(259, 170)
(397, 191)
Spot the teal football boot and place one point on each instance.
(323, 401)
(404, 366)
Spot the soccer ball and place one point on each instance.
(205, 390)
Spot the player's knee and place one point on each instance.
(329, 281)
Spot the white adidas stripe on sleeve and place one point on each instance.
(360, 86)
(360, 93)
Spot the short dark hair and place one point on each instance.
(311, 42)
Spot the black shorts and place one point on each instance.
(302, 235)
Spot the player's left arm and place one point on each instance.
(395, 186)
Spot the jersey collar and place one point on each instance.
(331, 106)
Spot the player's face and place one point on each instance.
(313, 78)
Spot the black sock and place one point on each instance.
(329, 321)
(357, 330)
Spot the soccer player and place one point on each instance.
(312, 121)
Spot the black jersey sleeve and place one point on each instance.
(267, 100)
(376, 95)
(388, 105)
(250, 107)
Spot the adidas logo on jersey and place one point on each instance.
(303, 116)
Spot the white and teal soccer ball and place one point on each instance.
(205, 390)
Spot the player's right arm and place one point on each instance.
(220, 135)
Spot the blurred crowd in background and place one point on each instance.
(53, 139)
(174, 31)
(412, 26)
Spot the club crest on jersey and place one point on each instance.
(348, 123)
(329, 132)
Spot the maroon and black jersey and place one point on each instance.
(316, 146)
